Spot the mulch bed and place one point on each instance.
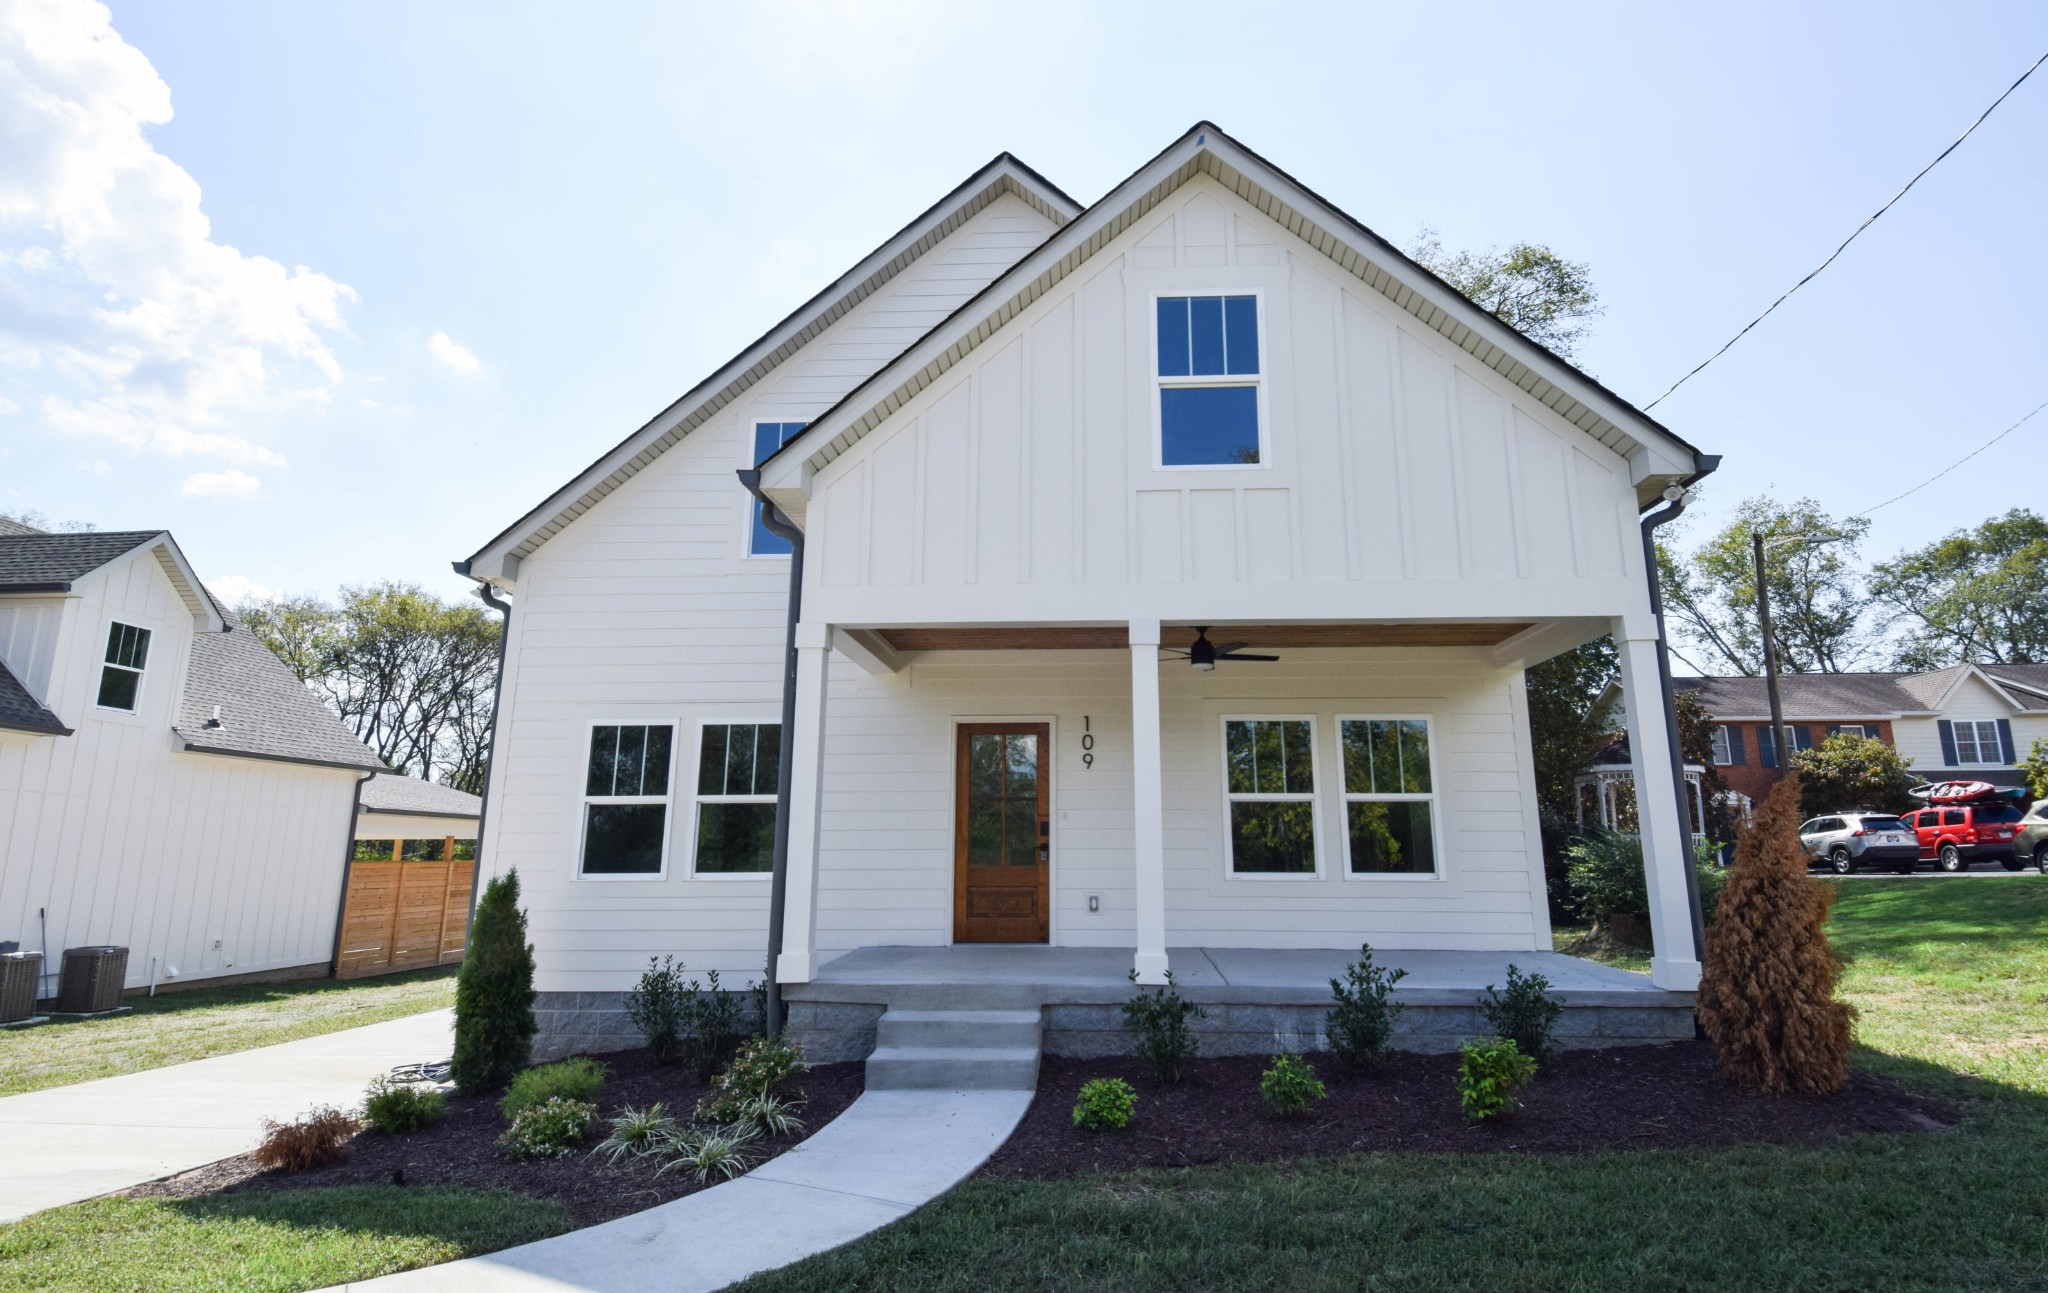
(1628, 1097)
(462, 1148)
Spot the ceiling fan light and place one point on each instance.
(1203, 665)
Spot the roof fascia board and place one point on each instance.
(205, 615)
(187, 747)
(1972, 671)
(27, 590)
(1567, 391)
(1005, 175)
(368, 811)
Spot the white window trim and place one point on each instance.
(1723, 748)
(696, 776)
(1313, 798)
(1434, 798)
(752, 426)
(141, 675)
(1255, 380)
(1977, 727)
(583, 801)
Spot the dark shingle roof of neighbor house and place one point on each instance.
(395, 794)
(32, 559)
(21, 712)
(1853, 695)
(265, 711)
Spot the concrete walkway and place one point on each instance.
(889, 1153)
(90, 1138)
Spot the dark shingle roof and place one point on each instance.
(1855, 695)
(392, 794)
(21, 712)
(33, 559)
(2033, 677)
(265, 711)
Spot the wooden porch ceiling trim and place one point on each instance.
(1115, 637)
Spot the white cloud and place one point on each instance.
(236, 589)
(219, 484)
(97, 467)
(453, 353)
(147, 332)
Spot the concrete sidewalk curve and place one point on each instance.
(74, 1142)
(889, 1153)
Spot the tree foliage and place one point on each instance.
(411, 674)
(2035, 768)
(1529, 287)
(494, 1023)
(1567, 719)
(1818, 602)
(1976, 595)
(1847, 772)
(1767, 994)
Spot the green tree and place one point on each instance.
(1696, 746)
(1976, 595)
(2035, 767)
(1817, 597)
(1568, 716)
(1529, 287)
(1848, 771)
(494, 1022)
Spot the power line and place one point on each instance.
(1852, 237)
(1952, 466)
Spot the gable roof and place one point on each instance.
(1206, 150)
(34, 561)
(265, 711)
(1852, 696)
(22, 712)
(417, 798)
(1004, 175)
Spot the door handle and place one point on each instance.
(1045, 853)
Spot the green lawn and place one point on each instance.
(173, 1027)
(1950, 979)
(262, 1243)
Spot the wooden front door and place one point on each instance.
(1002, 833)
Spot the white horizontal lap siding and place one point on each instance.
(1919, 739)
(1393, 459)
(125, 841)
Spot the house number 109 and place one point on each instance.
(1087, 744)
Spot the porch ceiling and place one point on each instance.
(1116, 636)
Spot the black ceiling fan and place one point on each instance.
(1203, 654)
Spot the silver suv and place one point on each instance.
(1847, 842)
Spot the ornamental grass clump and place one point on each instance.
(494, 1022)
(637, 1133)
(577, 1079)
(1165, 1044)
(1361, 1026)
(1767, 989)
(313, 1140)
(401, 1108)
(719, 1153)
(1290, 1086)
(1525, 1014)
(1491, 1076)
(549, 1129)
(1105, 1104)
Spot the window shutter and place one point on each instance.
(2005, 750)
(1767, 747)
(1736, 754)
(1948, 742)
(1802, 738)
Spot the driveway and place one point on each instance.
(74, 1142)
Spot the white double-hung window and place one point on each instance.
(738, 767)
(1977, 742)
(121, 675)
(1209, 381)
(1389, 796)
(1269, 783)
(625, 800)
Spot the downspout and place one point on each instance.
(778, 877)
(348, 866)
(483, 805)
(1674, 506)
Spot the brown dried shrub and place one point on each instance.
(310, 1141)
(1767, 990)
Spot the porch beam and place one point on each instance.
(1675, 963)
(870, 651)
(1148, 809)
(798, 961)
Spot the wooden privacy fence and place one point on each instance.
(407, 906)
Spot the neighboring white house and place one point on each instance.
(1030, 447)
(166, 784)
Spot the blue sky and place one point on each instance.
(336, 292)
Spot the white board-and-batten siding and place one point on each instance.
(123, 839)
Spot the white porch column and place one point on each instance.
(798, 961)
(1675, 964)
(1148, 811)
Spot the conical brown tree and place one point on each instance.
(1767, 993)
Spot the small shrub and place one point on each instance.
(1166, 1045)
(494, 1022)
(1604, 872)
(314, 1140)
(401, 1108)
(578, 1079)
(761, 1067)
(718, 1154)
(1362, 1024)
(656, 1006)
(1491, 1076)
(1105, 1104)
(710, 1025)
(549, 1129)
(1290, 1087)
(1525, 1014)
(770, 1115)
(637, 1133)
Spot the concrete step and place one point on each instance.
(958, 1028)
(953, 1068)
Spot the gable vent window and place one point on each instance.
(768, 437)
(1209, 382)
(121, 676)
(737, 773)
(625, 801)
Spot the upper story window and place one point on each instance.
(625, 800)
(1864, 730)
(768, 437)
(1209, 381)
(121, 676)
(1976, 742)
(1723, 753)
